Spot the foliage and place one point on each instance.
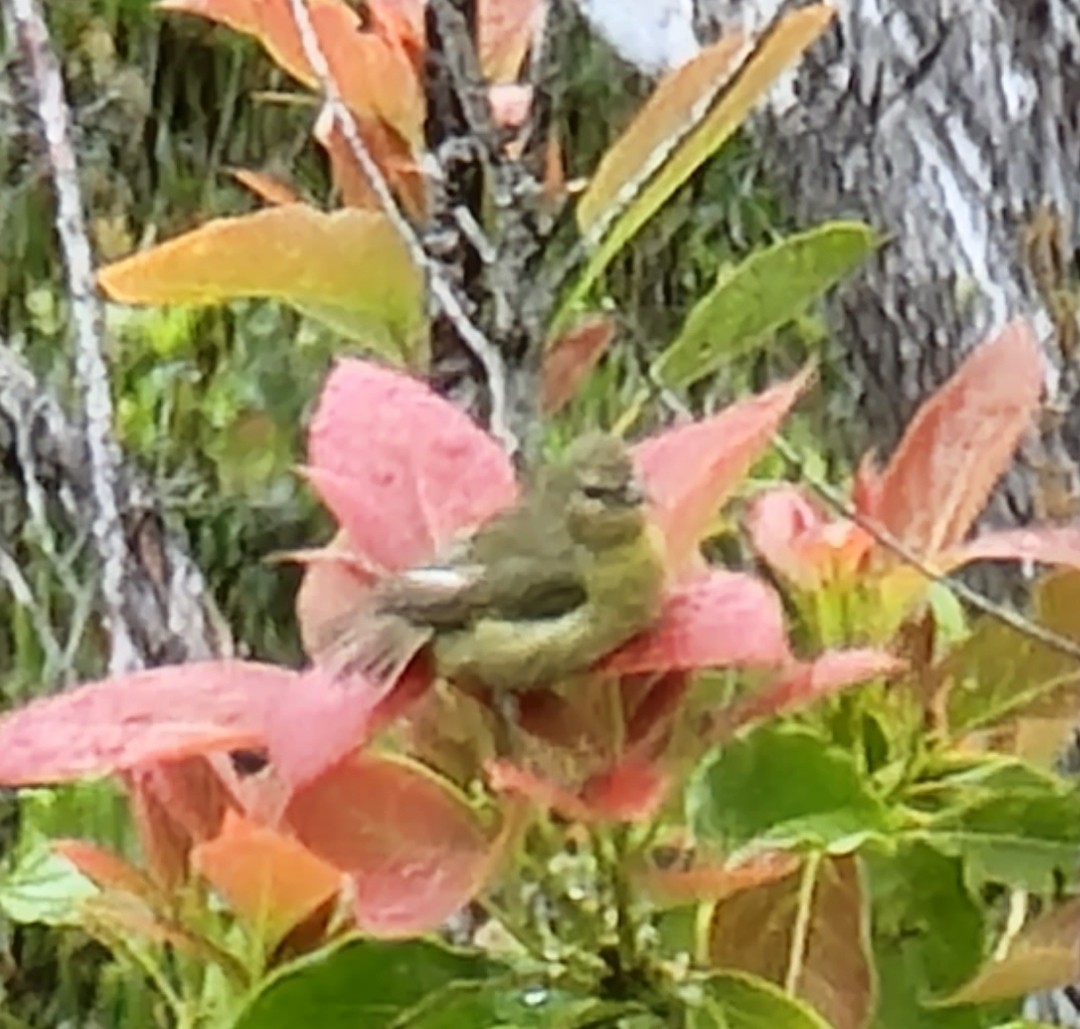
(732, 819)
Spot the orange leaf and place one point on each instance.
(424, 473)
(373, 72)
(265, 187)
(960, 443)
(350, 268)
(388, 151)
(664, 114)
(689, 470)
(409, 841)
(571, 357)
(720, 620)
(270, 881)
(161, 714)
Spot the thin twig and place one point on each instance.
(442, 292)
(1006, 616)
(26, 26)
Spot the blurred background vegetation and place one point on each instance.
(212, 402)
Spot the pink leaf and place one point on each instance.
(166, 713)
(402, 470)
(410, 842)
(691, 469)
(316, 725)
(1048, 546)
(721, 620)
(807, 682)
(960, 442)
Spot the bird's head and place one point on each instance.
(605, 500)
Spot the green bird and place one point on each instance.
(537, 594)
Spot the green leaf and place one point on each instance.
(767, 290)
(368, 983)
(928, 936)
(773, 54)
(785, 785)
(738, 1001)
(43, 887)
(1021, 841)
(1003, 679)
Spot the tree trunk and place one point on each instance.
(947, 127)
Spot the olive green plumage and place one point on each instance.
(539, 593)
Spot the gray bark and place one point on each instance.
(944, 124)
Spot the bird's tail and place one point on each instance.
(371, 644)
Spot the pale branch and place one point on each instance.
(169, 610)
(973, 598)
(25, 26)
(442, 292)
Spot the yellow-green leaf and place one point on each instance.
(349, 269)
(754, 70)
(764, 292)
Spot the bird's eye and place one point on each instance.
(594, 492)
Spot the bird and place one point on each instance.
(536, 595)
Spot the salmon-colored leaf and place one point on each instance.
(332, 589)
(349, 269)
(162, 714)
(373, 71)
(506, 29)
(403, 470)
(631, 791)
(689, 470)
(1051, 545)
(271, 881)
(110, 871)
(793, 535)
(505, 777)
(806, 683)
(571, 357)
(410, 843)
(706, 880)
(175, 804)
(960, 443)
(720, 620)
